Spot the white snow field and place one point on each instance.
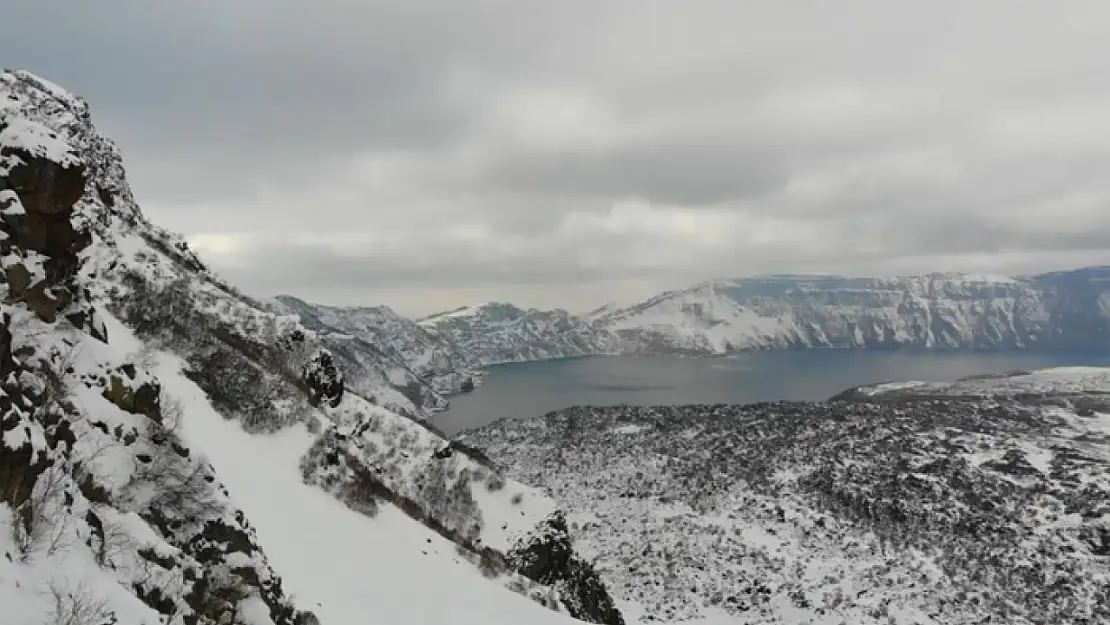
(347, 568)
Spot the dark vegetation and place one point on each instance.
(902, 470)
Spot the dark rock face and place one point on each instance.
(49, 153)
(547, 557)
(144, 398)
(39, 220)
(324, 380)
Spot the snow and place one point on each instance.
(1050, 380)
(887, 387)
(344, 566)
(38, 140)
(938, 310)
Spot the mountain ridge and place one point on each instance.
(168, 445)
(1067, 309)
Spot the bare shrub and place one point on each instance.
(147, 355)
(172, 412)
(77, 605)
(116, 541)
(164, 480)
(216, 596)
(495, 483)
(517, 498)
(43, 524)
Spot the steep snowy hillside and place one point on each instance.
(169, 447)
(1066, 310)
(430, 356)
(953, 511)
(498, 333)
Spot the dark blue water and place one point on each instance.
(532, 389)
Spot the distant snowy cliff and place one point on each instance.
(1060, 310)
(1063, 310)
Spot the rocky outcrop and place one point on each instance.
(142, 397)
(42, 177)
(154, 522)
(547, 557)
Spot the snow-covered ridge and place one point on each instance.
(499, 333)
(939, 310)
(170, 448)
(1060, 310)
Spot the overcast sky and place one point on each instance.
(432, 154)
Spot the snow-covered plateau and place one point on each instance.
(983, 501)
(174, 452)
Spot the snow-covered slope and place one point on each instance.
(497, 333)
(162, 434)
(987, 506)
(431, 357)
(1063, 310)
(1056, 382)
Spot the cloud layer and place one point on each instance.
(432, 154)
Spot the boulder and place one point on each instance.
(18, 278)
(143, 399)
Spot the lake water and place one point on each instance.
(535, 388)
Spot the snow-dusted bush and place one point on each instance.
(323, 378)
(77, 605)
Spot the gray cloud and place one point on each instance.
(429, 154)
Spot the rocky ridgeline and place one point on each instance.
(163, 526)
(916, 511)
(106, 513)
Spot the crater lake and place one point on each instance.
(532, 389)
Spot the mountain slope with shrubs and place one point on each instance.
(496, 333)
(432, 358)
(984, 501)
(170, 444)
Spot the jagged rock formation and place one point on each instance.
(1059, 310)
(499, 333)
(970, 506)
(547, 556)
(159, 525)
